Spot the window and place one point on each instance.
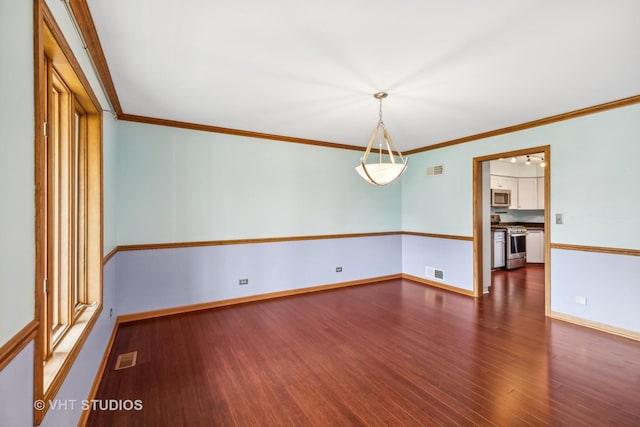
(65, 293)
(68, 157)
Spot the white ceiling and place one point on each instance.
(308, 69)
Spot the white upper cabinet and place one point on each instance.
(527, 187)
(507, 183)
(527, 193)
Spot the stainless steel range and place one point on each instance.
(516, 247)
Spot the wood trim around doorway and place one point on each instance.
(478, 268)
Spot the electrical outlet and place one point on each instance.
(581, 300)
(559, 218)
(338, 269)
(243, 282)
(110, 312)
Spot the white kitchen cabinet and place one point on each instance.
(540, 192)
(527, 193)
(498, 254)
(535, 246)
(495, 181)
(507, 183)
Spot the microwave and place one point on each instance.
(500, 197)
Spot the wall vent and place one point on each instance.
(435, 170)
(434, 273)
(126, 360)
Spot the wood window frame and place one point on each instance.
(68, 200)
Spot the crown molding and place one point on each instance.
(89, 34)
(92, 43)
(532, 124)
(236, 132)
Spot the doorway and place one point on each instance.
(482, 211)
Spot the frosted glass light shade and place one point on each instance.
(381, 173)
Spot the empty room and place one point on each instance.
(319, 213)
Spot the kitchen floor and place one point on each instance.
(514, 286)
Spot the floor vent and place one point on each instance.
(126, 360)
(434, 273)
(435, 170)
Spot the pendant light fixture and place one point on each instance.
(387, 169)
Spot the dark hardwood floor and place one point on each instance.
(392, 353)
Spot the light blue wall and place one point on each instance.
(594, 176)
(454, 257)
(438, 204)
(164, 278)
(16, 380)
(17, 234)
(17, 251)
(593, 171)
(174, 187)
(610, 283)
(16, 390)
(178, 185)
